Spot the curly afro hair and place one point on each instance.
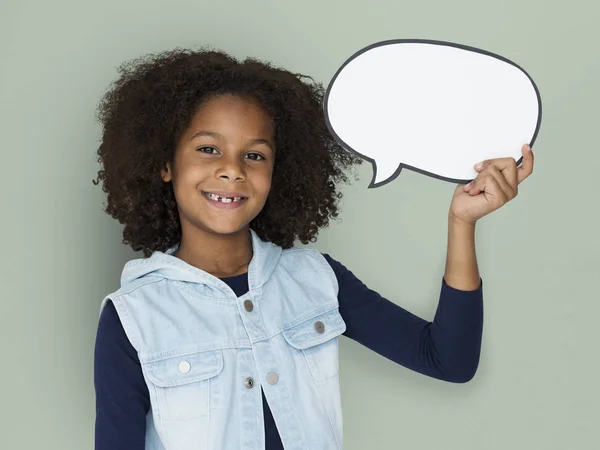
(149, 106)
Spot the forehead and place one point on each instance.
(230, 113)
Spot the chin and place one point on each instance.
(227, 229)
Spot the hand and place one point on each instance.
(495, 185)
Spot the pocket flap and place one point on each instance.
(180, 370)
(316, 330)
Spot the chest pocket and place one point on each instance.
(182, 384)
(316, 340)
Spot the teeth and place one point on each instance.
(223, 199)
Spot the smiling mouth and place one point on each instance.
(221, 199)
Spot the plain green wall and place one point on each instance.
(537, 384)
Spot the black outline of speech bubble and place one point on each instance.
(402, 165)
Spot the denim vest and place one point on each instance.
(205, 353)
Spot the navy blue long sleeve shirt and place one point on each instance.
(447, 349)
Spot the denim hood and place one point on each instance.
(164, 265)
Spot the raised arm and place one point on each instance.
(446, 348)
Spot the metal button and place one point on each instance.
(320, 327)
(184, 367)
(272, 378)
(249, 382)
(248, 305)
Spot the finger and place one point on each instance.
(505, 169)
(509, 191)
(476, 186)
(490, 185)
(508, 166)
(500, 163)
(527, 165)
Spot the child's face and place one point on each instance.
(227, 152)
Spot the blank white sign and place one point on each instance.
(434, 107)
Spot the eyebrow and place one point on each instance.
(219, 136)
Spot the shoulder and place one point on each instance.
(305, 260)
(304, 256)
(131, 291)
(320, 261)
(338, 268)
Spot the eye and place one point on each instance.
(208, 150)
(255, 156)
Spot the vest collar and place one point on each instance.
(265, 256)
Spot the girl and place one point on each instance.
(224, 336)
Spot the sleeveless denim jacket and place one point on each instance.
(205, 353)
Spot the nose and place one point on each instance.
(231, 169)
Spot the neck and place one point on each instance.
(220, 255)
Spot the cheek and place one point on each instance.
(266, 182)
(191, 177)
(186, 185)
(261, 179)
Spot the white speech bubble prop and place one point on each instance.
(434, 107)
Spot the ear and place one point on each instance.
(166, 173)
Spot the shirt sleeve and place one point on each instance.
(447, 348)
(122, 397)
